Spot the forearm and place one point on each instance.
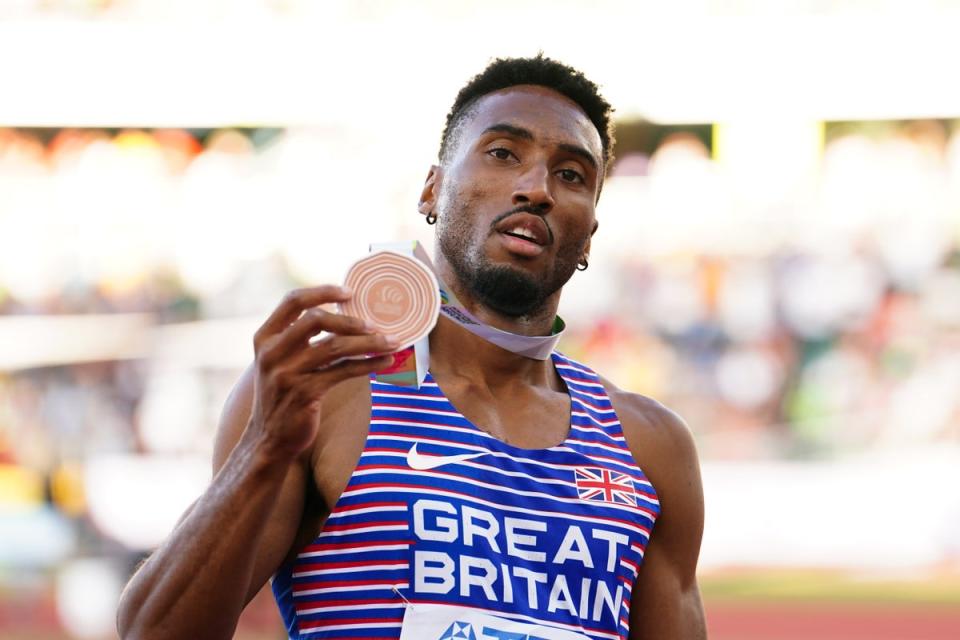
(685, 620)
(694, 619)
(196, 584)
(667, 609)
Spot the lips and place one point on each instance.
(526, 227)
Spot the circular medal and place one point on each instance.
(395, 293)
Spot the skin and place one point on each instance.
(295, 425)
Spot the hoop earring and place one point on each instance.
(583, 264)
(431, 218)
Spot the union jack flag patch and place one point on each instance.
(603, 485)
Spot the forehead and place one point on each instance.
(550, 116)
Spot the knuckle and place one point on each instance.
(358, 324)
(317, 316)
(266, 352)
(283, 379)
(292, 297)
(335, 348)
(365, 367)
(263, 338)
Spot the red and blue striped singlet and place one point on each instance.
(443, 524)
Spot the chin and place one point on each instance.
(508, 290)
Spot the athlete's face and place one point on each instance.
(516, 197)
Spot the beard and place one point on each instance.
(505, 289)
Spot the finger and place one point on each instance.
(330, 350)
(296, 302)
(320, 381)
(311, 323)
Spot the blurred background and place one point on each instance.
(778, 259)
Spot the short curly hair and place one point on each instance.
(539, 70)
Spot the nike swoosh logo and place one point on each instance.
(422, 462)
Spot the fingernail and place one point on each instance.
(347, 291)
(391, 339)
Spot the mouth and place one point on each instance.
(525, 227)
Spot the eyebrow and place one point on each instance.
(526, 134)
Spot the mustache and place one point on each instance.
(524, 208)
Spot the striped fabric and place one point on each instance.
(438, 511)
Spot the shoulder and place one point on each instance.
(660, 440)
(644, 418)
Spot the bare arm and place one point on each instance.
(666, 602)
(237, 533)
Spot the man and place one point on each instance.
(510, 496)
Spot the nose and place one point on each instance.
(533, 189)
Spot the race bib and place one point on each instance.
(450, 622)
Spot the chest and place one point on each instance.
(437, 510)
(522, 417)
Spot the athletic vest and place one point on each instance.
(445, 532)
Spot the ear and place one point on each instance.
(431, 187)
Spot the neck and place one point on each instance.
(456, 352)
(486, 363)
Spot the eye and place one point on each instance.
(500, 153)
(569, 175)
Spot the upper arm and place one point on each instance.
(665, 603)
(284, 522)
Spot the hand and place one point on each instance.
(292, 374)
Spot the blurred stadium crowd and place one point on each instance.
(791, 345)
(837, 332)
(796, 348)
